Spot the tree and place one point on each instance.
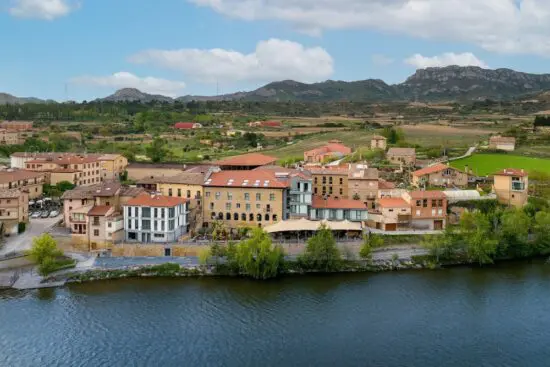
(64, 186)
(257, 257)
(393, 135)
(321, 251)
(204, 256)
(370, 242)
(514, 233)
(157, 150)
(476, 231)
(541, 229)
(43, 247)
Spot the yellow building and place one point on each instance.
(10, 137)
(77, 169)
(330, 182)
(112, 166)
(246, 198)
(511, 187)
(31, 182)
(14, 209)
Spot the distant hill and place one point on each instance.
(451, 83)
(9, 99)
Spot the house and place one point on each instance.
(428, 209)
(27, 181)
(187, 125)
(511, 186)
(332, 209)
(248, 161)
(251, 198)
(17, 125)
(392, 214)
(14, 209)
(273, 124)
(150, 218)
(439, 175)
(96, 227)
(112, 166)
(74, 168)
(402, 156)
(10, 137)
(502, 143)
(331, 182)
(378, 142)
(363, 185)
(334, 149)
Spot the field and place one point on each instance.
(486, 164)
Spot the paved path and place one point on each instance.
(468, 153)
(22, 242)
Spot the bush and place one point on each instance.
(21, 227)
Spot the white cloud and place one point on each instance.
(446, 59)
(128, 80)
(273, 59)
(41, 9)
(381, 60)
(508, 26)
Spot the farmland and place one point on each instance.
(486, 164)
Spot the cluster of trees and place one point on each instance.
(483, 237)
(45, 253)
(542, 121)
(393, 135)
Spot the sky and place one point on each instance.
(85, 49)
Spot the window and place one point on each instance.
(418, 213)
(390, 210)
(146, 212)
(434, 203)
(170, 192)
(258, 206)
(330, 180)
(324, 180)
(171, 225)
(109, 224)
(267, 217)
(246, 196)
(315, 180)
(341, 191)
(251, 217)
(274, 217)
(211, 206)
(129, 224)
(418, 202)
(425, 203)
(179, 193)
(96, 232)
(188, 193)
(341, 181)
(155, 211)
(259, 217)
(440, 203)
(227, 206)
(238, 205)
(268, 208)
(330, 190)
(207, 194)
(258, 197)
(220, 216)
(162, 212)
(136, 225)
(236, 216)
(171, 212)
(132, 235)
(146, 225)
(315, 191)
(213, 216)
(229, 196)
(154, 225)
(243, 217)
(218, 195)
(162, 226)
(247, 207)
(158, 235)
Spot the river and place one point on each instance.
(497, 316)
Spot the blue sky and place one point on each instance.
(176, 47)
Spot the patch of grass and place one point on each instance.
(487, 164)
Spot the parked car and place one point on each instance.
(45, 214)
(54, 213)
(36, 215)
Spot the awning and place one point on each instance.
(310, 225)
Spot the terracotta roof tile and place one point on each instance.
(159, 201)
(432, 169)
(511, 172)
(392, 203)
(254, 179)
(12, 175)
(251, 159)
(99, 210)
(332, 203)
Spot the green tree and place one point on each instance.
(43, 247)
(64, 186)
(257, 257)
(204, 256)
(157, 150)
(370, 242)
(541, 231)
(514, 234)
(321, 251)
(475, 230)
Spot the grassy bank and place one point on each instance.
(487, 164)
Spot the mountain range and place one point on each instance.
(451, 83)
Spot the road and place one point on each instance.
(24, 241)
(470, 151)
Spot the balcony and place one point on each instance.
(518, 186)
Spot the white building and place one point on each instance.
(151, 218)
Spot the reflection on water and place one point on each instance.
(455, 317)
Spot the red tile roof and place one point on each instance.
(184, 125)
(271, 123)
(402, 152)
(428, 194)
(253, 179)
(155, 201)
(330, 148)
(251, 159)
(431, 169)
(511, 172)
(99, 210)
(392, 203)
(385, 185)
(332, 203)
(12, 175)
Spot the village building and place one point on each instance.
(113, 166)
(511, 187)
(378, 142)
(150, 218)
(11, 137)
(332, 209)
(248, 161)
(428, 209)
(402, 156)
(391, 214)
(76, 169)
(331, 182)
(333, 150)
(14, 209)
(440, 175)
(140, 171)
(17, 125)
(363, 185)
(26, 181)
(499, 142)
(187, 125)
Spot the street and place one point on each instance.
(23, 241)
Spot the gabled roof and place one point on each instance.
(156, 201)
(12, 175)
(332, 203)
(430, 194)
(511, 172)
(402, 151)
(393, 203)
(330, 148)
(250, 159)
(184, 125)
(433, 169)
(99, 210)
(254, 179)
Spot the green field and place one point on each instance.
(486, 164)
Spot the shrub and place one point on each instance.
(21, 227)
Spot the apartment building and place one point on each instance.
(77, 169)
(440, 175)
(392, 214)
(112, 166)
(16, 125)
(96, 227)
(428, 209)
(332, 209)
(402, 156)
(27, 181)
(151, 218)
(10, 137)
(363, 185)
(251, 198)
(331, 182)
(378, 142)
(334, 149)
(511, 186)
(14, 207)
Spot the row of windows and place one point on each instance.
(228, 206)
(146, 225)
(187, 194)
(324, 190)
(146, 212)
(243, 217)
(324, 180)
(424, 203)
(218, 196)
